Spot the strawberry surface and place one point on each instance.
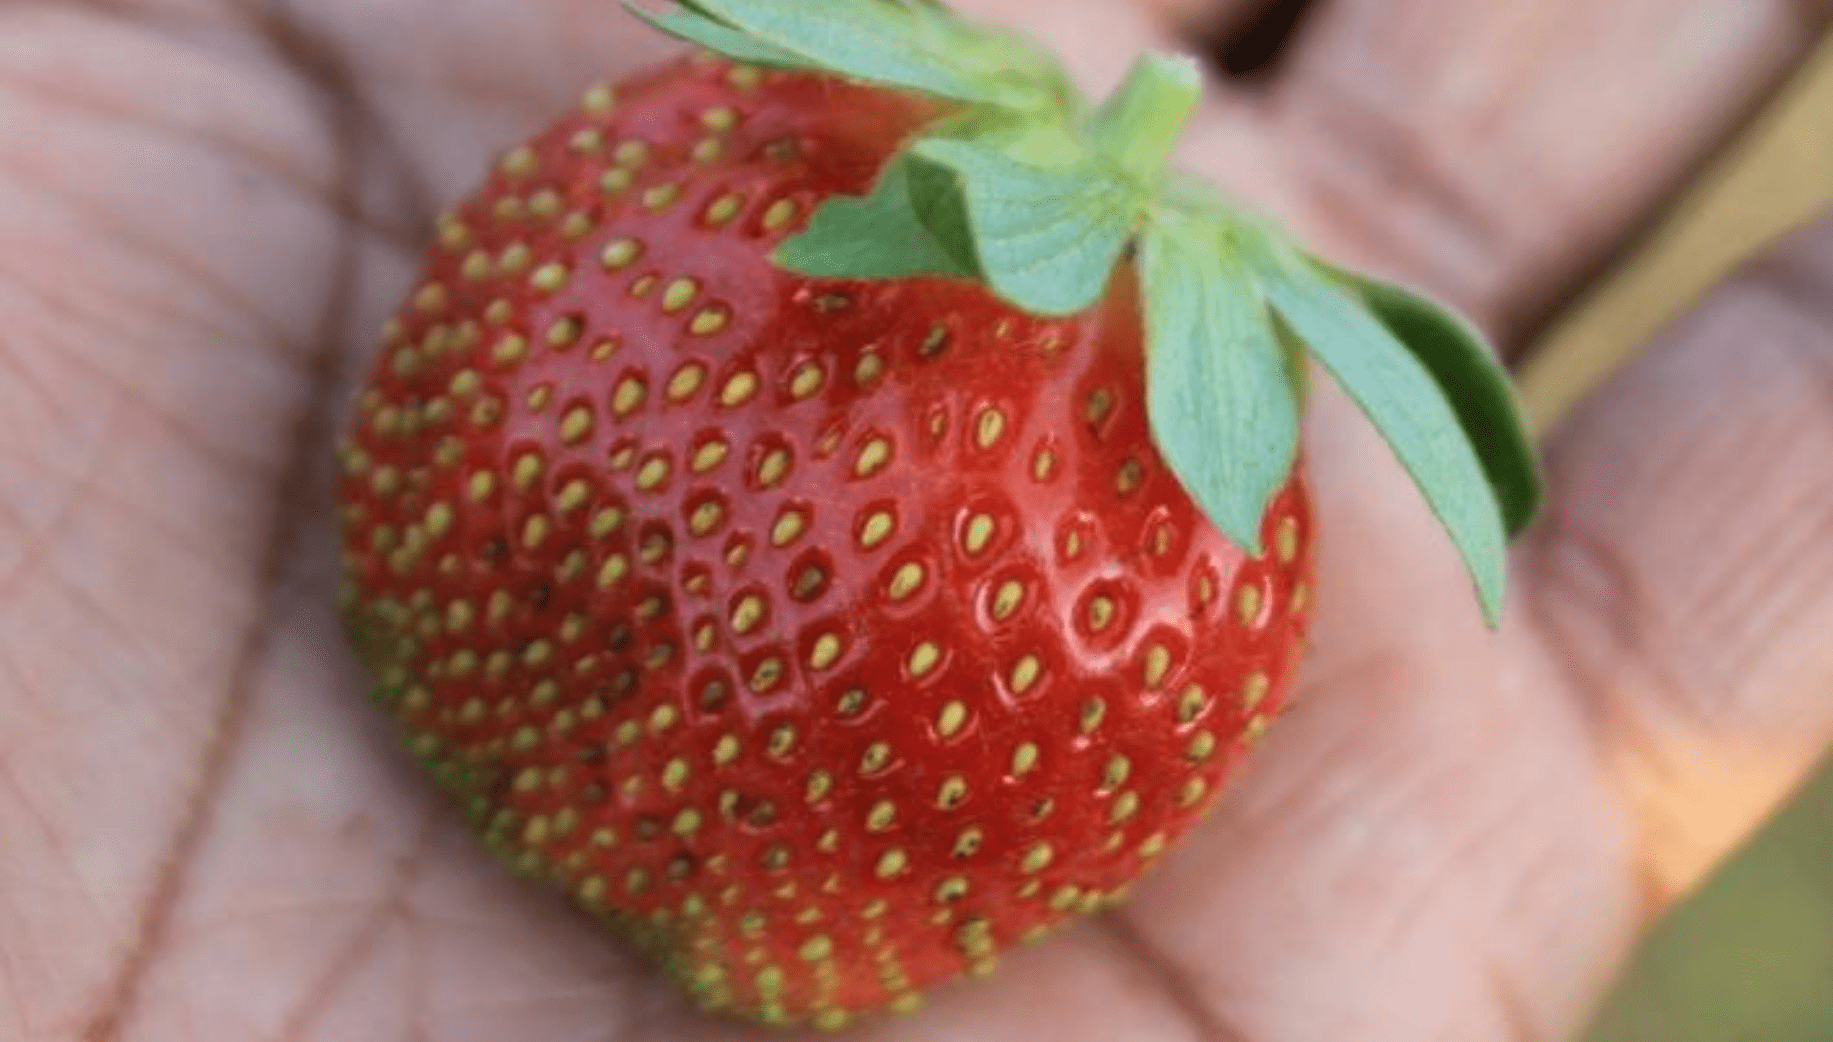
(824, 636)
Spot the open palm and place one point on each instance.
(207, 207)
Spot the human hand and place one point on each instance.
(208, 206)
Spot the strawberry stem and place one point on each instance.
(1139, 125)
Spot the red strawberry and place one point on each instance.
(824, 635)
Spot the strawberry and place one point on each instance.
(819, 599)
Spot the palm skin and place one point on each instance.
(208, 206)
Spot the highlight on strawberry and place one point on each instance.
(834, 505)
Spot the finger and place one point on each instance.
(1498, 152)
(1683, 575)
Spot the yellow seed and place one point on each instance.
(534, 532)
(1152, 846)
(881, 816)
(872, 457)
(1202, 745)
(679, 294)
(952, 792)
(1100, 403)
(549, 277)
(573, 496)
(509, 350)
(661, 197)
(614, 182)
(1093, 711)
(1100, 613)
(870, 367)
(766, 675)
(514, 258)
(628, 396)
(721, 210)
(1115, 773)
(587, 141)
(526, 471)
(876, 530)
(825, 652)
(923, 658)
(686, 382)
(599, 100)
(576, 425)
(891, 862)
(773, 468)
(1043, 465)
(738, 390)
(807, 380)
(725, 750)
(615, 567)
(1007, 598)
(782, 740)
(545, 204)
(877, 756)
(706, 517)
(1125, 806)
(967, 843)
(540, 397)
(1037, 858)
(709, 321)
(992, 424)
(1025, 673)
(779, 215)
(820, 783)
(748, 613)
(1247, 604)
(606, 521)
(951, 719)
(788, 528)
(708, 149)
(439, 519)
(1256, 729)
(1189, 703)
(1131, 474)
(709, 456)
(1158, 663)
(979, 533)
(620, 253)
(906, 581)
(1191, 791)
(631, 153)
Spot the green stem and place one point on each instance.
(1139, 125)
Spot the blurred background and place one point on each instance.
(1750, 959)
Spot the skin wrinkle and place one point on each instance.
(1373, 147)
(73, 494)
(391, 907)
(1182, 993)
(124, 237)
(114, 1010)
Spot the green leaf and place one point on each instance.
(911, 224)
(1476, 385)
(1047, 238)
(1400, 396)
(695, 28)
(1220, 392)
(869, 40)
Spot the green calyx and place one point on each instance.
(1030, 191)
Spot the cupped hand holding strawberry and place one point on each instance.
(205, 835)
(833, 508)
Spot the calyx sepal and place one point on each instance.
(1028, 190)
